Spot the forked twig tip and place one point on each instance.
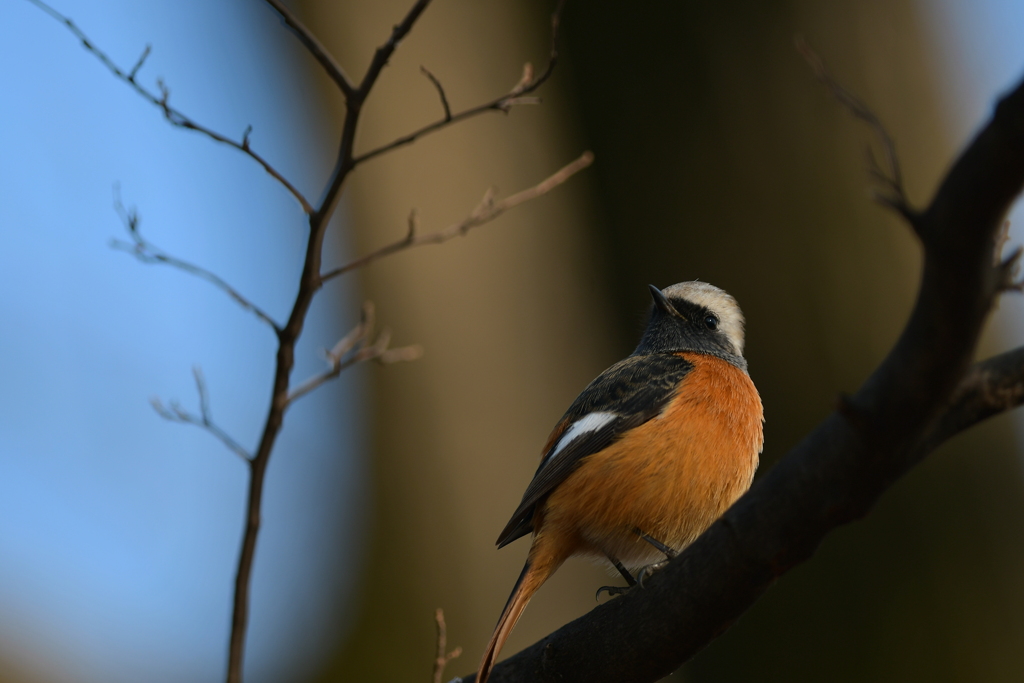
(414, 225)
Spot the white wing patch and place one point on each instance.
(590, 422)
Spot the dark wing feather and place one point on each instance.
(635, 389)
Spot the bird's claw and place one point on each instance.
(649, 570)
(612, 591)
(642, 577)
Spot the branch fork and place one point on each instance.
(443, 656)
(173, 412)
(891, 192)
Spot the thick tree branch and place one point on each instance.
(487, 210)
(922, 393)
(173, 116)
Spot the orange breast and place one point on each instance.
(672, 476)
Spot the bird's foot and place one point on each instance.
(649, 570)
(616, 590)
(645, 573)
(612, 591)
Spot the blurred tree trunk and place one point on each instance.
(511, 317)
(718, 158)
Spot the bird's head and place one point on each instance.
(694, 316)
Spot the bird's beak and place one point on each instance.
(663, 303)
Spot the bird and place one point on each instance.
(648, 456)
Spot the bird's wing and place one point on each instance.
(623, 397)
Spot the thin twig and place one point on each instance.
(173, 116)
(486, 211)
(315, 47)
(147, 252)
(440, 91)
(1009, 271)
(139, 63)
(175, 413)
(355, 347)
(1008, 267)
(891, 177)
(443, 657)
(1002, 239)
(526, 85)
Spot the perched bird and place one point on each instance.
(649, 455)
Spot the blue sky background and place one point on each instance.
(119, 531)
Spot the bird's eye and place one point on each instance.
(711, 322)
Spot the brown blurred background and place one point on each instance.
(718, 158)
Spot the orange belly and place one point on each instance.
(671, 477)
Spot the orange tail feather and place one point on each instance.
(534, 574)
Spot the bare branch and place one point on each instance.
(414, 225)
(384, 52)
(147, 252)
(359, 344)
(175, 413)
(310, 283)
(1009, 270)
(1008, 267)
(443, 656)
(402, 354)
(989, 388)
(486, 211)
(1001, 240)
(527, 84)
(440, 92)
(891, 178)
(355, 347)
(344, 162)
(315, 48)
(173, 116)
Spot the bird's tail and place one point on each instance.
(533, 575)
